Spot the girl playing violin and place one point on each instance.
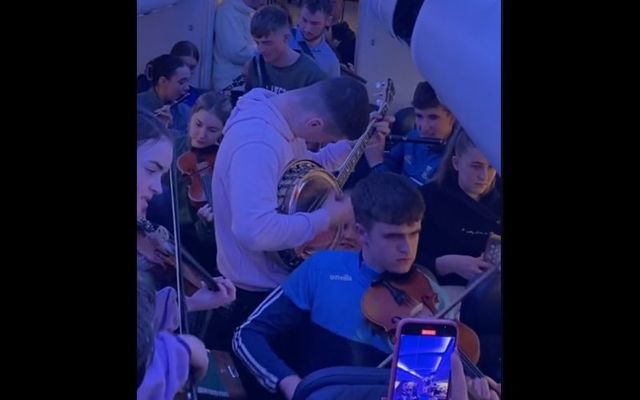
(196, 156)
(154, 156)
(168, 363)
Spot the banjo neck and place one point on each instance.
(349, 165)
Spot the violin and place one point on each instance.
(196, 166)
(410, 295)
(155, 245)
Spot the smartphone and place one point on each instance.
(421, 366)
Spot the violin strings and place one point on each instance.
(470, 366)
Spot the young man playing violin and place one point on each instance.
(321, 301)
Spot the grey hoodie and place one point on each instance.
(258, 144)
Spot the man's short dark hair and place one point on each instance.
(387, 197)
(425, 97)
(318, 5)
(346, 103)
(267, 20)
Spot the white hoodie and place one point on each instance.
(233, 44)
(258, 144)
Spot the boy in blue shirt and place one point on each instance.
(321, 300)
(418, 161)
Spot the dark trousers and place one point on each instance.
(220, 334)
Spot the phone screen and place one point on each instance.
(423, 362)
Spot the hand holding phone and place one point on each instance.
(421, 367)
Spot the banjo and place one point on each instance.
(305, 186)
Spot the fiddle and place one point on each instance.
(154, 244)
(410, 295)
(196, 166)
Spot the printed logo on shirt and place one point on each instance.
(344, 277)
(470, 232)
(276, 89)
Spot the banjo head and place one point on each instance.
(302, 188)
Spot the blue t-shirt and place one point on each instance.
(327, 290)
(322, 54)
(417, 161)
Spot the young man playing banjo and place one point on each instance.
(263, 135)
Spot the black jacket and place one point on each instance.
(454, 223)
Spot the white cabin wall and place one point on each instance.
(191, 20)
(386, 57)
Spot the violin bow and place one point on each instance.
(483, 277)
(183, 327)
